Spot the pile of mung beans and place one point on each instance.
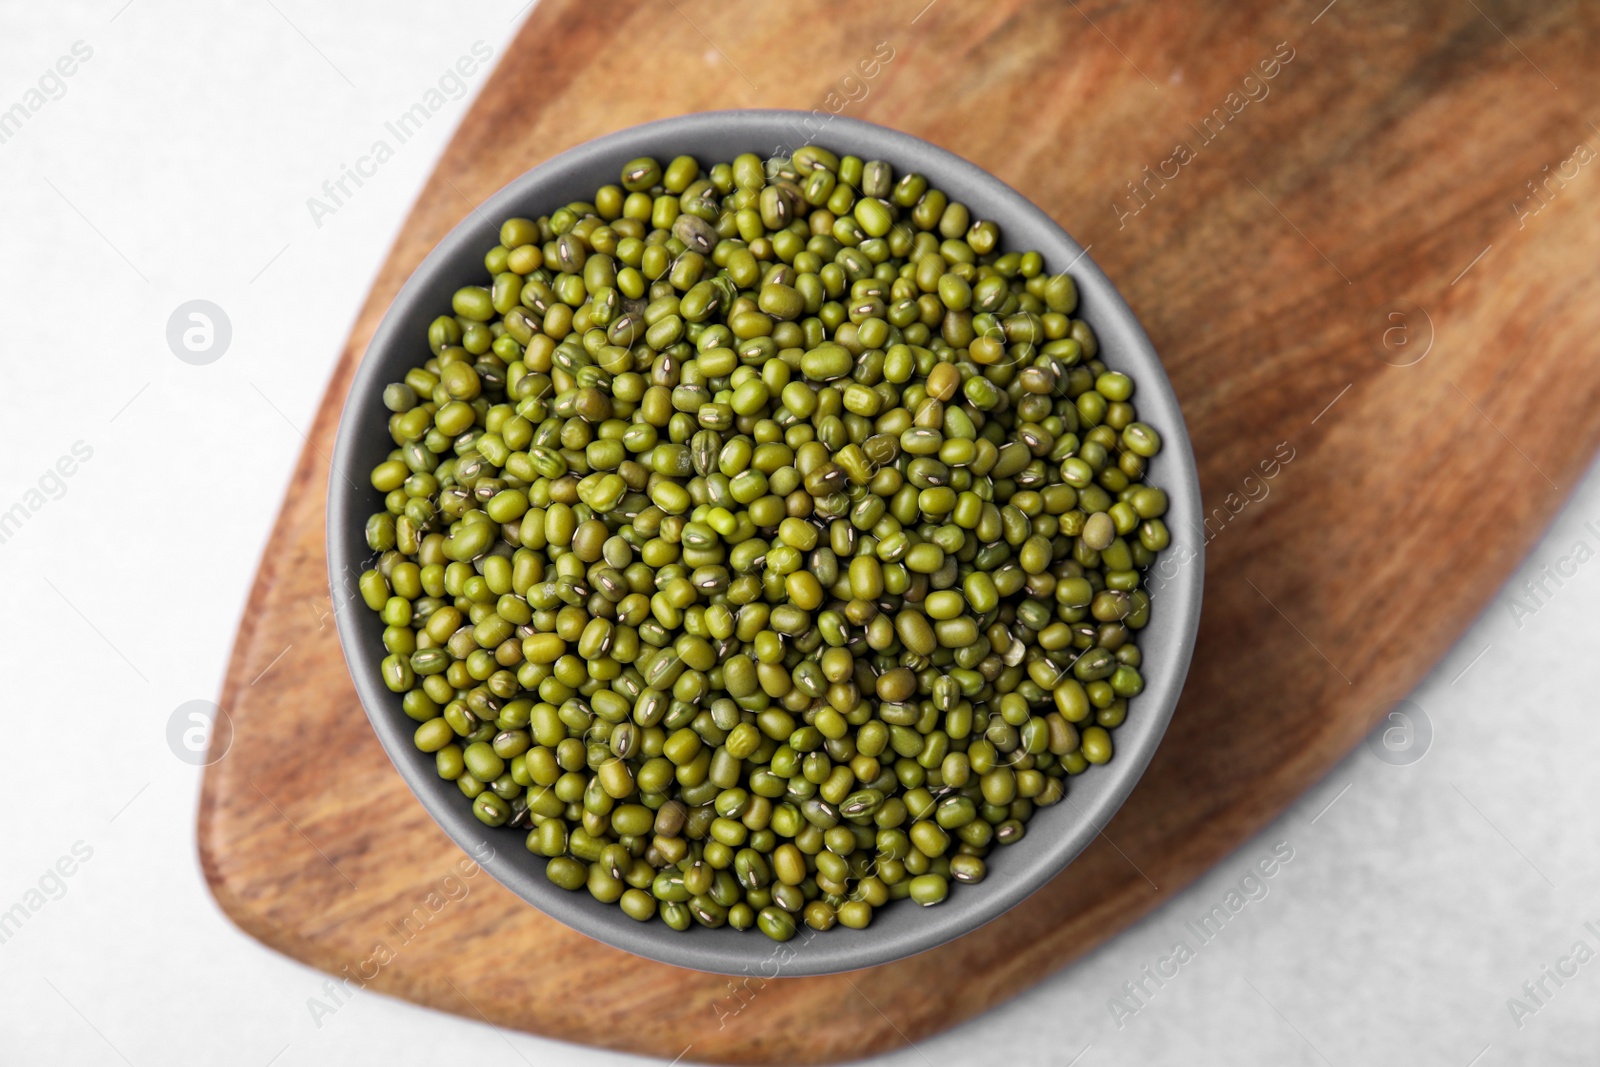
(763, 542)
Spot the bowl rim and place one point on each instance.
(1019, 870)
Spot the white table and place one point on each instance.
(175, 163)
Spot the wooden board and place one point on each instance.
(1371, 207)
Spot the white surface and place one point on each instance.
(1412, 909)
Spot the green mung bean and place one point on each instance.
(763, 542)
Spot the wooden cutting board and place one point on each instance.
(1344, 264)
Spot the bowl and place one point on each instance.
(1055, 834)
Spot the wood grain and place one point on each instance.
(1392, 150)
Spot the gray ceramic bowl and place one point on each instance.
(1056, 834)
